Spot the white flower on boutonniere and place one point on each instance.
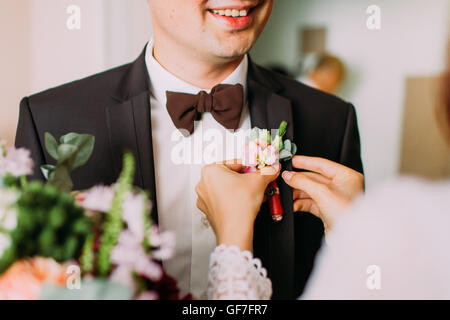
(260, 151)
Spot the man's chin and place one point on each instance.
(233, 51)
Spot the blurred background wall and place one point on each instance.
(14, 62)
(39, 51)
(411, 42)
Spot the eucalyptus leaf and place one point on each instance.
(47, 170)
(70, 138)
(89, 290)
(85, 149)
(73, 151)
(84, 144)
(294, 149)
(287, 145)
(285, 155)
(61, 179)
(51, 145)
(65, 152)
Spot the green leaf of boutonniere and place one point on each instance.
(294, 149)
(285, 155)
(287, 145)
(282, 129)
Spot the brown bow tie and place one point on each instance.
(225, 103)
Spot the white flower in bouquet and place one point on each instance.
(16, 162)
(8, 217)
(5, 242)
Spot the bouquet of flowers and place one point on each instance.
(263, 150)
(95, 244)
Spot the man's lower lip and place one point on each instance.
(234, 23)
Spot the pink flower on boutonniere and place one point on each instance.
(260, 151)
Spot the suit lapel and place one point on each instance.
(274, 242)
(129, 126)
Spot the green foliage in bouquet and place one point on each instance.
(73, 151)
(96, 289)
(114, 223)
(9, 181)
(49, 224)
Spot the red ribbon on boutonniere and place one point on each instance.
(260, 151)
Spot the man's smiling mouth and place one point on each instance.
(235, 13)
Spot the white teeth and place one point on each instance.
(231, 13)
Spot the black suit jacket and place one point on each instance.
(114, 107)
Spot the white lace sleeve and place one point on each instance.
(236, 275)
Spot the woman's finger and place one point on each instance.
(306, 205)
(298, 180)
(266, 175)
(234, 165)
(317, 177)
(323, 166)
(300, 194)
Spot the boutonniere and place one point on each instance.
(266, 149)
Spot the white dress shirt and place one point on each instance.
(178, 164)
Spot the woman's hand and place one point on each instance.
(327, 191)
(231, 200)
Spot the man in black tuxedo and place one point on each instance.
(202, 43)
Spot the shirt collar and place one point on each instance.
(161, 80)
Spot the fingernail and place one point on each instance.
(287, 175)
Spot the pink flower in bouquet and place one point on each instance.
(133, 210)
(148, 295)
(129, 256)
(24, 279)
(98, 198)
(164, 242)
(16, 162)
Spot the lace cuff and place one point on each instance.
(236, 275)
